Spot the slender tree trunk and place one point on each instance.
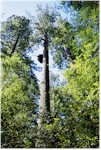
(15, 44)
(44, 104)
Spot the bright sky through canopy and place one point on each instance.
(20, 7)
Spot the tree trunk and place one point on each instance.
(15, 44)
(44, 104)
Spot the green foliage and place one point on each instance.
(83, 86)
(10, 29)
(48, 136)
(74, 119)
(44, 24)
(19, 88)
(19, 92)
(63, 43)
(72, 34)
(77, 103)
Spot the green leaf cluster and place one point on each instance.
(19, 94)
(77, 101)
(74, 44)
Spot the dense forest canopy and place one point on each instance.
(51, 113)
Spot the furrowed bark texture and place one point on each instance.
(44, 104)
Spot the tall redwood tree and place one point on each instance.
(44, 25)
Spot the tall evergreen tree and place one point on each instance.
(44, 25)
(44, 28)
(15, 34)
(74, 105)
(19, 88)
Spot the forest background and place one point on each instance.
(74, 95)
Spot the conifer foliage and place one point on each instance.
(54, 113)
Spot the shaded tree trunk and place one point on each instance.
(15, 44)
(44, 104)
